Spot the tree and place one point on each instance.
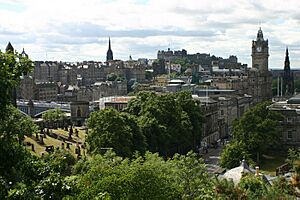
(171, 123)
(233, 154)
(13, 124)
(258, 129)
(111, 129)
(147, 177)
(111, 77)
(12, 66)
(54, 116)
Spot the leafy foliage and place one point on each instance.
(12, 66)
(252, 135)
(233, 153)
(14, 125)
(111, 129)
(53, 115)
(171, 123)
(148, 177)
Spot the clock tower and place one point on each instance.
(260, 53)
(259, 77)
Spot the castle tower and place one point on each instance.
(259, 77)
(287, 76)
(109, 54)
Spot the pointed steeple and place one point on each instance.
(24, 54)
(287, 61)
(109, 46)
(260, 36)
(9, 48)
(109, 54)
(287, 76)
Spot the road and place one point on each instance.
(212, 158)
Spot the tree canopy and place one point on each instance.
(252, 134)
(53, 115)
(12, 67)
(118, 131)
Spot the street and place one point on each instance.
(212, 158)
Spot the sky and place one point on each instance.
(78, 30)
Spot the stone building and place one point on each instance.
(45, 91)
(47, 71)
(256, 81)
(26, 89)
(290, 126)
(79, 112)
(232, 107)
(212, 127)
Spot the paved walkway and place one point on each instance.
(212, 158)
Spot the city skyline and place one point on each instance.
(79, 30)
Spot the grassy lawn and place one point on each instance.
(39, 149)
(271, 162)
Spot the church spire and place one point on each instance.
(109, 54)
(109, 46)
(9, 48)
(287, 76)
(287, 61)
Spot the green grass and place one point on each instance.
(270, 163)
(39, 149)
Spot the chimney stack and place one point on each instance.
(257, 171)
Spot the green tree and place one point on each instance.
(258, 129)
(12, 66)
(184, 62)
(253, 186)
(171, 123)
(111, 129)
(60, 161)
(14, 125)
(192, 178)
(233, 154)
(54, 116)
(111, 77)
(147, 177)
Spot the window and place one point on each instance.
(290, 135)
(289, 120)
(222, 112)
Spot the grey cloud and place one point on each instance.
(4, 31)
(94, 30)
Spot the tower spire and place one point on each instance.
(9, 48)
(109, 54)
(287, 61)
(260, 36)
(109, 46)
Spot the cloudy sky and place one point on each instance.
(77, 30)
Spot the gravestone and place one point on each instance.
(78, 151)
(66, 127)
(49, 149)
(41, 140)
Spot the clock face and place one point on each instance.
(258, 49)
